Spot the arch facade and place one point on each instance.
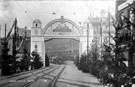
(57, 29)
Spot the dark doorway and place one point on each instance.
(62, 48)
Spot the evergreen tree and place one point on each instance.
(94, 59)
(94, 53)
(37, 60)
(47, 63)
(7, 60)
(25, 62)
(84, 63)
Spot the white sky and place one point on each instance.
(27, 11)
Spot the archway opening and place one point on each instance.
(60, 50)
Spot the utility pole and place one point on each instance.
(5, 31)
(25, 39)
(117, 41)
(109, 26)
(0, 31)
(25, 50)
(0, 40)
(101, 36)
(5, 39)
(87, 38)
(14, 44)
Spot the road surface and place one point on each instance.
(54, 76)
(72, 77)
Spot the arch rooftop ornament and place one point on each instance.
(62, 20)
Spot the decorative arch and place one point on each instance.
(62, 20)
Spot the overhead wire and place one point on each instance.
(52, 9)
(37, 11)
(86, 4)
(25, 10)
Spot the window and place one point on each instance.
(36, 25)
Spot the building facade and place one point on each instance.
(101, 29)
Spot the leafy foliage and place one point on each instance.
(108, 70)
(88, 62)
(25, 62)
(37, 60)
(83, 63)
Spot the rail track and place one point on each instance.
(18, 74)
(56, 78)
(29, 83)
(27, 76)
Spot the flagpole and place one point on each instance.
(109, 25)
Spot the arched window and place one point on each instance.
(36, 25)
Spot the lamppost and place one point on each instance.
(101, 36)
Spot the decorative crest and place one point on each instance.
(62, 21)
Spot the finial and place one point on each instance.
(62, 20)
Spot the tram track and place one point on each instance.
(29, 75)
(56, 78)
(52, 83)
(18, 74)
(29, 83)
